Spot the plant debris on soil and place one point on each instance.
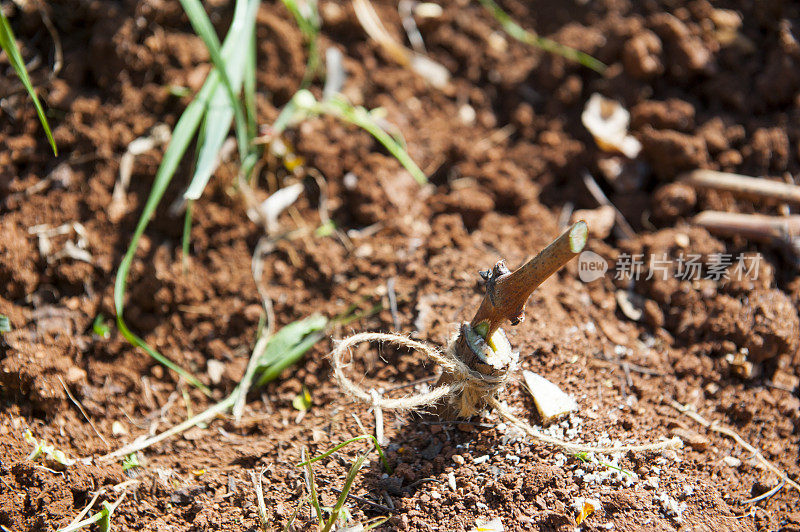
(708, 86)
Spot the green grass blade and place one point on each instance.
(187, 230)
(348, 484)
(292, 517)
(139, 342)
(362, 120)
(312, 487)
(285, 118)
(231, 63)
(378, 521)
(310, 24)
(287, 346)
(548, 45)
(303, 103)
(9, 44)
(347, 442)
(85, 523)
(250, 87)
(181, 138)
(288, 358)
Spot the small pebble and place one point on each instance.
(732, 461)
(215, 370)
(118, 429)
(652, 482)
(481, 459)
(451, 480)
(458, 459)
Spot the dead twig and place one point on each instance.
(405, 9)
(58, 55)
(766, 495)
(782, 232)
(378, 411)
(644, 370)
(80, 407)
(744, 186)
(373, 26)
(159, 135)
(437, 75)
(761, 227)
(715, 427)
(324, 215)
(252, 366)
(393, 303)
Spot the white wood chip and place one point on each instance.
(550, 401)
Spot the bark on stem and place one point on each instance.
(480, 345)
(507, 292)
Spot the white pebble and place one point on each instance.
(732, 461)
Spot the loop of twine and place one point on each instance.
(469, 385)
(472, 389)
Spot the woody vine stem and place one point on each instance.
(479, 359)
(481, 345)
(507, 292)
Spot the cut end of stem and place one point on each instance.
(507, 292)
(578, 236)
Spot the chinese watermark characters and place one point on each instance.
(685, 267)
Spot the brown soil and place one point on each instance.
(702, 94)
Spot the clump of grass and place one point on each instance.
(9, 45)
(214, 108)
(102, 518)
(337, 511)
(270, 356)
(209, 117)
(548, 45)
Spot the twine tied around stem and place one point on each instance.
(470, 391)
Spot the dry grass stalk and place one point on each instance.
(735, 437)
